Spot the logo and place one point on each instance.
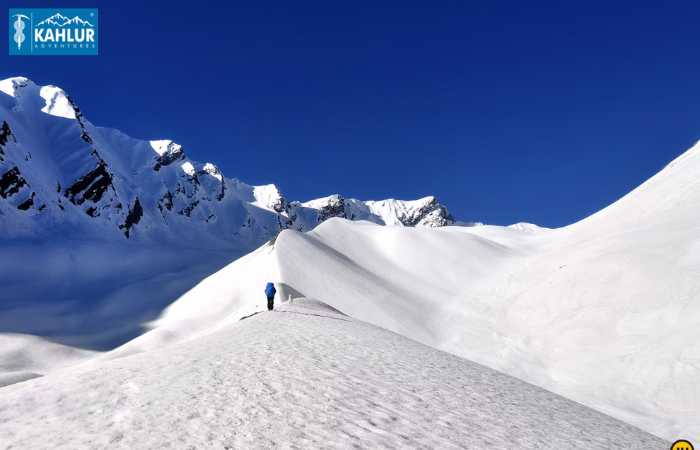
(19, 26)
(53, 32)
(682, 445)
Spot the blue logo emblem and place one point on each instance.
(53, 32)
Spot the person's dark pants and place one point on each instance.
(270, 302)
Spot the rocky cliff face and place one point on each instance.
(60, 172)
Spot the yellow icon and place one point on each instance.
(682, 445)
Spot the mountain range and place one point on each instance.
(58, 173)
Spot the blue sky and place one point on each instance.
(507, 111)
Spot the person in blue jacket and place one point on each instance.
(270, 291)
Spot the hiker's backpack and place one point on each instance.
(270, 290)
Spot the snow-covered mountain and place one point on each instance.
(56, 172)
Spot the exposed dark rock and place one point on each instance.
(168, 158)
(194, 180)
(160, 208)
(5, 135)
(78, 114)
(167, 201)
(187, 211)
(222, 192)
(441, 218)
(11, 182)
(133, 217)
(332, 209)
(282, 206)
(27, 204)
(86, 137)
(283, 223)
(91, 212)
(42, 207)
(94, 183)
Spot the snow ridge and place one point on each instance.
(302, 377)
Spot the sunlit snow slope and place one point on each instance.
(302, 377)
(605, 312)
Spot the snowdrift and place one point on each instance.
(25, 357)
(302, 377)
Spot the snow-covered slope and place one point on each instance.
(99, 231)
(605, 312)
(302, 377)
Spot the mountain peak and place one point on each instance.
(10, 85)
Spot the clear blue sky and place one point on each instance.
(506, 111)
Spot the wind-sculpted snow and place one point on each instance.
(301, 377)
(604, 312)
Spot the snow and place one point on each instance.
(189, 169)
(213, 171)
(161, 147)
(603, 312)
(21, 353)
(266, 197)
(301, 377)
(527, 227)
(57, 103)
(8, 86)
(323, 202)
(426, 212)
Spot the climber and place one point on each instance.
(270, 292)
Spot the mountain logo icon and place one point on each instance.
(19, 27)
(59, 20)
